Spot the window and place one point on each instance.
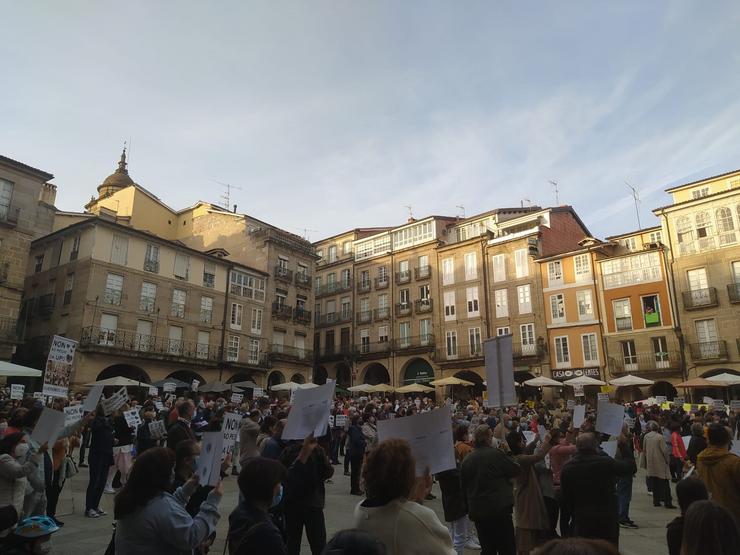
(631, 270)
(404, 334)
(499, 268)
(331, 310)
(38, 263)
(182, 266)
(590, 350)
(282, 266)
(299, 342)
(425, 331)
(317, 285)
(524, 298)
(413, 235)
(175, 340)
(449, 301)
(526, 334)
(403, 298)
(521, 261)
(245, 285)
(108, 327)
(476, 347)
(651, 310)
(365, 279)
(684, 235)
(656, 237)
(347, 247)
(301, 270)
(451, 343)
(151, 258)
(346, 279)
(471, 294)
(725, 226)
(404, 274)
(557, 308)
(585, 306)
(629, 243)
(256, 321)
(383, 334)
(346, 308)
(503, 330)
(471, 266)
(699, 287)
(75, 251)
(382, 306)
(704, 230)
(144, 340)
(699, 193)
(622, 314)
(331, 282)
(148, 297)
(660, 350)
(382, 276)
(119, 250)
(555, 273)
(320, 254)
(424, 293)
(6, 195)
(206, 309)
(68, 286)
(332, 254)
(178, 303)
(56, 253)
(113, 289)
(583, 267)
(209, 274)
(423, 267)
(232, 348)
(562, 352)
(448, 271)
(502, 303)
(706, 335)
(204, 341)
(629, 355)
(254, 351)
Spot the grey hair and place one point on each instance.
(653, 426)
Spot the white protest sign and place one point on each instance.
(541, 431)
(48, 427)
(39, 395)
(686, 440)
(331, 420)
(115, 401)
(609, 418)
(59, 366)
(159, 405)
(579, 415)
(734, 404)
(230, 431)
(308, 413)
(429, 435)
(629, 421)
(132, 418)
(208, 465)
(602, 396)
(157, 429)
(718, 404)
(578, 391)
(194, 385)
(529, 436)
(153, 391)
(92, 399)
(16, 391)
(660, 399)
(707, 401)
(499, 361)
(570, 403)
(169, 387)
(236, 398)
(258, 392)
(609, 447)
(678, 401)
(340, 420)
(72, 414)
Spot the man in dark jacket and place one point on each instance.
(588, 483)
(100, 458)
(486, 479)
(181, 430)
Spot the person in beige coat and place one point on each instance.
(657, 464)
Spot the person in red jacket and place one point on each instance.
(678, 452)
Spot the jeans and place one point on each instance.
(98, 473)
(624, 497)
(313, 520)
(496, 534)
(459, 533)
(661, 491)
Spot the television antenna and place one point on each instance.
(305, 231)
(226, 196)
(636, 198)
(408, 207)
(462, 211)
(557, 192)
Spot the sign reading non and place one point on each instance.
(59, 366)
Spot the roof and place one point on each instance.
(354, 230)
(637, 232)
(25, 168)
(682, 185)
(694, 200)
(498, 211)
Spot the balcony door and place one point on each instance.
(699, 286)
(108, 327)
(143, 335)
(175, 340)
(706, 335)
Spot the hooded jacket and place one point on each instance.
(720, 471)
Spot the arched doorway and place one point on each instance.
(187, 376)
(418, 370)
(630, 393)
(663, 388)
(125, 370)
(298, 378)
(240, 377)
(275, 378)
(344, 375)
(465, 392)
(376, 373)
(319, 375)
(526, 391)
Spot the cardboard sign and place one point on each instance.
(115, 401)
(169, 387)
(340, 420)
(39, 395)
(570, 403)
(578, 391)
(258, 392)
(707, 400)
(194, 385)
(609, 418)
(153, 391)
(59, 366)
(602, 396)
(579, 415)
(308, 413)
(208, 464)
(72, 414)
(236, 398)
(157, 429)
(230, 431)
(499, 361)
(48, 427)
(16, 391)
(132, 418)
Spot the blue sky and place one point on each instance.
(333, 115)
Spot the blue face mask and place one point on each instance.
(278, 497)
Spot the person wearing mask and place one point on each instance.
(152, 521)
(393, 510)
(709, 528)
(251, 528)
(657, 460)
(687, 491)
(485, 478)
(17, 463)
(356, 443)
(100, 459)
(267, 429)
(275, 444)
(678, 452)
(697, 443)
(720, 469)
(588, 485)
(181, 429)
(144, 439)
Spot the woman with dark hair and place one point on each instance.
(354, 542)
(267, 429)
(17, 463)
(251, 528)
(151, 520)
(709, 528)
(393, 511)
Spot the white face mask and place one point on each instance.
(21, 450)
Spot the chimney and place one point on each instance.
(48, 193)
(235, 209)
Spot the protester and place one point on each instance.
(687, 491)
(709, 529)
(624, 483)
(275, 445)
(678, 452)
(453, 501)
(697, 443)
(181, 428)
(356, 443)
(392, 510)
(561, 453)
(720, 470)
(62, 467)
(100, 459)
(267, 429)
(17, 463)
(657, 461)
(31, 536)
(144, 439)
(248, 432)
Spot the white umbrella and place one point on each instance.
(629, 379)
(362, 388)
(381, 388)
(542, 381)
(583, 380)
(10, 369)
(414, 388)
(308, 385)
(726, 379)
(120, 381)
(287, 386)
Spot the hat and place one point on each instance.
(35, 527)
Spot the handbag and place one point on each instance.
(70, 467)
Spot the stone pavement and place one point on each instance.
(91, 536)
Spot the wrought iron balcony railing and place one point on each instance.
(286, 352)
(364, 317)
(282, 311)
(733, 291)
(363, 286)
(380, 314)
(645, 362)
(302, 316)
(403, 277)
(382, 282)
(700, 298)
(423, 272)
(283, 274)
(403, 309)
(303, 280)
(709, 350)
(423, 305)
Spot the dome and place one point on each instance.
(118, 180)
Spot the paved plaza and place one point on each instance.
(91, 536)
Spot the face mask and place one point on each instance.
(21, 450)
(279, 497)
(42, 548)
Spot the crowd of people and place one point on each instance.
(526, 480)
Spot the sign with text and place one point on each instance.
(16, 391)
(578, 391)
(340, 420)
(72, 414)
(132, 418)
(718, 404)
(153, 391)
(115, 401)
(236, 398)
(660, 399)
(230, 429)
(570, 403)
(735, 405)
(194, 385)
(679, 401)
(309, 410)
(157, 429)
(92, 399)
(602, 396)
(59, 366)
(258, 392)
(169, 387)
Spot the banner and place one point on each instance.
(499, 360)
(115, 401)
(59, 366)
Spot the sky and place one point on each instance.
(331, 115)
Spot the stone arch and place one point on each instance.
(663, 388)
(126, 370)
(275, 377)
(298, 378)
(187, 376)
(417, 370)
(320, 375)
(465, 391)
(343, 375)
(376, 373)
(241, 377)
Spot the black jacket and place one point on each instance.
(453, 500)
(485, 476)
(697, 444)
(252, 531)
(305, 484)
(179, 431)
(144, 438)
(674, 533)
(356, 441)
(122, 431)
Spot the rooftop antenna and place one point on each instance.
(411, 214)
(305, 231)
(636, 198)
(462, 211)
(529, 202)
(226, 197)
(557, 192)
(128, 151)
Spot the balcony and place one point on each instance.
(8, 330)
(416, 343)
(128, 343)
(333, 352)
(372, 350)
(528, 350)
(712, 351)
(332, 319)
(333, 288)
(363, 286)
(461, 352)
(382, 282)
(285, 352)
(46, 304)
(9, 216)
(381, 314)
(733, 290)
(302, 316)
(403, 309)
(700, 298)
(282, 311)
(302, 280)
(423, 272)
(151, 265)
(423, 305)
(403, 277)
(283, 274)
(364, 317)
(668, 361)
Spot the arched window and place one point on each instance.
(725, 226)
(684, 234)
(703, 224)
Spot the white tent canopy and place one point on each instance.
(542, 381)
(290, 386)
(120, 381)
(726, 379)
(362, 388)
(10, 369)
(629, 379)
(583, 380)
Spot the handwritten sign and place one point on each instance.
(735, 405)
(115, 401)
(718, 404)
(578, 391)
(678, 401)
(157, 429)
(72, 414)
(230, 430)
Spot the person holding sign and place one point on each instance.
(18, 462)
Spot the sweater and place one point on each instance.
(163, 526)
(720, 471)
(405, 527)
(13, 480)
